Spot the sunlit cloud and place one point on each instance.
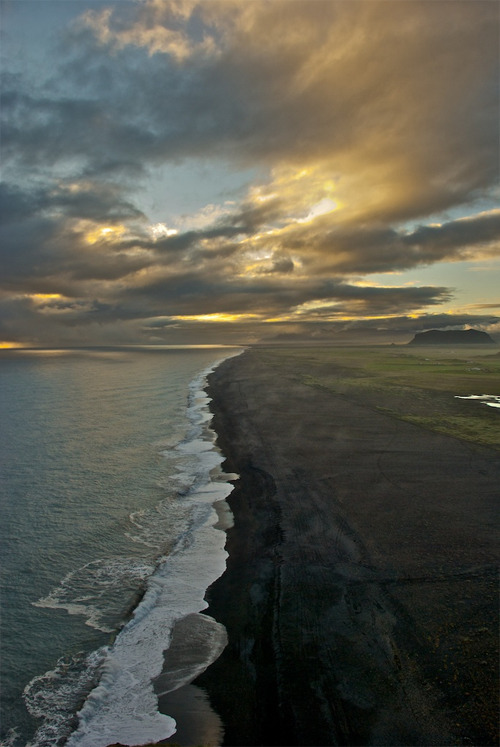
(104, 234)
(44, 298)
(158, 230)
(217, 317)
(150, 30)
(367, 132)
(323, 207)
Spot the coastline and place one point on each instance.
(359, 596)
(174, 639)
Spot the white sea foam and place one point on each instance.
(11, 739)
(123, 707)
(158, 528)
(88, 591)
(57, 693)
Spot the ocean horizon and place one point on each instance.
(113, 518)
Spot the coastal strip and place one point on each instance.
(360, 593)
(166, 642)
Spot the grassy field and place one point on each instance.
(418, 385)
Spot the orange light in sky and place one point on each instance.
(104, 233)
(42, 297)
(216, 317)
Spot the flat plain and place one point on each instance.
(361, 590)
(419, 385)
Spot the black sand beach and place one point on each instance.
(360, 596)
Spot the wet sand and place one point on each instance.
(360, 596)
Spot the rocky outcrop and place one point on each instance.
(452, 337)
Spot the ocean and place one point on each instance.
(112, 527)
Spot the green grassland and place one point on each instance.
(420, 386)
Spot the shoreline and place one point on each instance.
(168, 612)
(359, 595)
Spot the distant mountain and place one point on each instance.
(452, 337)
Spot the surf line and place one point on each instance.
(123, 707)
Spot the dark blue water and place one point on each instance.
(108, 483)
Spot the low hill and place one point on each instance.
(452, 337)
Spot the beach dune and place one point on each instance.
(360, 596)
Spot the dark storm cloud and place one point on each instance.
(374, 249)
(408, 101)
(197, 294)
(281, 265)
(296, 95)
(478, 231)
(387, 109)
(96, 201)
(183, 241)
(363, 249)
(399, 329)
(42, 247)
(414, 103)
(44, 131)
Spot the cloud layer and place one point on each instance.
(373, 126)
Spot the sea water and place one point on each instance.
(112, 528)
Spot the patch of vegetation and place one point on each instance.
(419, 387)
(469, 428)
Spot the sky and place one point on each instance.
(244, 171)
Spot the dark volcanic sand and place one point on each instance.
(360, 597)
